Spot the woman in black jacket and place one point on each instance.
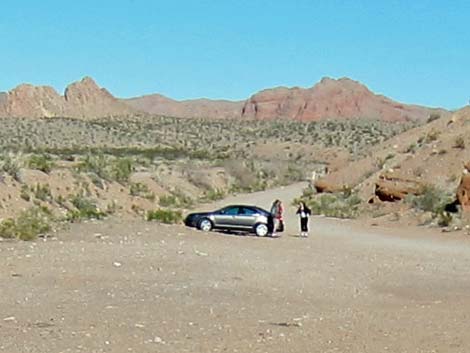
(304, 212)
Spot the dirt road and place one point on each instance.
(140, 287)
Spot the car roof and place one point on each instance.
(247, 206)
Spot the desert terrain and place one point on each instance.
(134, 286)
(94, 256)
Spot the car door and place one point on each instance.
(226, 217)
(246, 217)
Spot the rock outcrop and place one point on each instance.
(463, 190)
(330, 99)
(82, 99)
(395, 188)
(324, 186)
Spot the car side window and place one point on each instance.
(231, 211)
(247, 211)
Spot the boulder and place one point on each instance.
(463, 192)
(324, 186)
(392, 188)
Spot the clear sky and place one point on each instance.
(414, 51)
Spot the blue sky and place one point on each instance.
(413, 51)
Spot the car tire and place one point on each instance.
(205, 225)
(261, 230)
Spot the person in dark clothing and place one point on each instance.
(304, 213)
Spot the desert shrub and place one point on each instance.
(33, 222)
(168, 201)
(213, 195)
(176, 199)
(412, 148)
(24, 193)
(444, 219)
(338, 205)
(85, 209)
(141, 190)
(29, 224)
(294, 174)
(245, 178)
(8, 229)
(164, 216)
(108, 168)
(432, 200)
(95, 164)
(42, 192)
(432, 135)
(11, 167)
(459, 142)
(121, 169)
(41, 162)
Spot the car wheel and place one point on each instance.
(205, 225)
(261, 230)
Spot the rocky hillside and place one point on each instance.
(83, 99)
(431, 155)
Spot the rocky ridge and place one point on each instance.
(329, 99)
(83, 99)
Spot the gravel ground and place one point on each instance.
(119, 286)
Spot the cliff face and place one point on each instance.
(329, 99)
(83, 99)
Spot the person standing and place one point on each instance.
(280, 215)
(276, 211)
(304, 213)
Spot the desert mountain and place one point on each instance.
(83, 99)
(329, 99)
(196, 108)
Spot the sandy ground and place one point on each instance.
(119, 286)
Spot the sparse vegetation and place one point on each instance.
(41, 162)
(97, 158)
(459, 143)
(84, 209)
(339, 205)
(141, 190)
(432, 200)
(164, 216)
(30, 223)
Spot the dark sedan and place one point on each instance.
(235, 217)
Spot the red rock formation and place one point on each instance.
(82, 99)
(86, 99)
(463, 191)
(324, 186)
(329, 99)
(395, 188)
(343, 99)
(33, 101)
